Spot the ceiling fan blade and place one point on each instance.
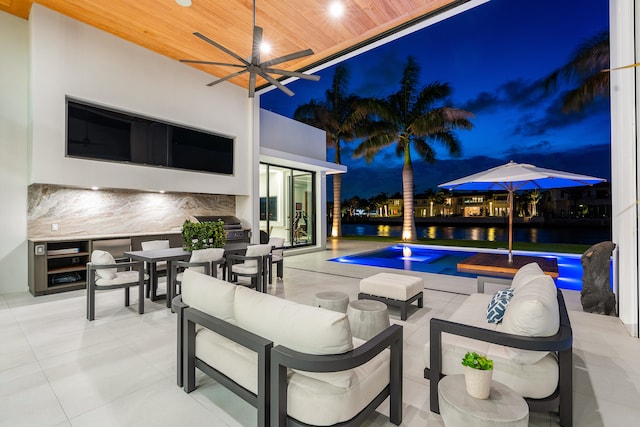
(224, 64)
(252, 85)
(277, 84)
(312, 77)
(257, 44)
(230, 76)
(621, 68)
(219, 46)
(286, 58)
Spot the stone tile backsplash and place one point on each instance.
(83, 212)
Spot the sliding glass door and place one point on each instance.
(287, 206)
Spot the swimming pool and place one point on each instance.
(444, 260)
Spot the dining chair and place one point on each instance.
(253, 264)
(207, 261)
(277, 257)
(103, 274)
(161, 266)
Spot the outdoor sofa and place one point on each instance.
(531, 347)
(297, 364)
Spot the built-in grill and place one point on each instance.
(232, 226)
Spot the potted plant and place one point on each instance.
(203, 235)
(477, 374)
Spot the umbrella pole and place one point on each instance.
(510, 225)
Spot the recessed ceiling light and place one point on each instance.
(95, 188)
(185, 3)
(161, 191)
(336, 9)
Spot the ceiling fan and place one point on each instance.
(253, 66)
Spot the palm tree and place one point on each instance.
(585, 68)
(334, 115)
(410, 118)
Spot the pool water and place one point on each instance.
(444, 260)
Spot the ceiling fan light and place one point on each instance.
(185, 3)
(265, 47)
(336, 9)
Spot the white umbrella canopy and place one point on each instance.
(513, 176)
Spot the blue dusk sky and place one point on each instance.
(493, 57)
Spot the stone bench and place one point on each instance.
(397, 290)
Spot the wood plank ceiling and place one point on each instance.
(167, 28)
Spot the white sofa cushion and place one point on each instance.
(533, 311)
(104, 258)
(255, 250)
(209, 295)
(316, 402)
(232, 359)
(525, 274)
(300, 327)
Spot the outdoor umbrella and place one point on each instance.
(519, 176)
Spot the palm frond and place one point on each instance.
(372, 145)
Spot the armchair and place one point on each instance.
(277, 257)
(205, 261)
(252, 265)
(103, 274)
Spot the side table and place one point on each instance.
(504, 407)
(332, 300)
(367, 318)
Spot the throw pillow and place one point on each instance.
(102, 258)
(498, 305)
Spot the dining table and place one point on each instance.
(152, 257)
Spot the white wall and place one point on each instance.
(298, 138)
(14, 72)
(69, 58)
(624, 158)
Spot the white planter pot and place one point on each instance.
(478, 382)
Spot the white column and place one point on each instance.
(624, 158)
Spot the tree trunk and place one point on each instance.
(409, 222)
(336, 226)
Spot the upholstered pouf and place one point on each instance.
(504, 407)
(397, 290)
(332, 300)
(367, 318)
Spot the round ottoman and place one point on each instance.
(367, 318)
(504, 407)
(332, 300)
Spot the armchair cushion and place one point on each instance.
(256, 250)
(525, 274)
(533, 311)
(209, 295)
(104, 258)
(206, 255)
(300, 327)
(119, 278)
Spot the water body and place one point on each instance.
(575, 235)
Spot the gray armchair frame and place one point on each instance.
(279, 265)
(258, 279)
(92, 287)
(283, 358)
(561, 343)
(188, 317)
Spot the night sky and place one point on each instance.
(493, 57)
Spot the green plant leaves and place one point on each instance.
(203, 235)
(477, 361)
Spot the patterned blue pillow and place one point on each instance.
(498, 305)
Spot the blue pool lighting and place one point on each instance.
(444, 260)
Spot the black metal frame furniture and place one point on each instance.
(258, 278)
(277, 258)
(402, 305)
(188, 317)
(283, 359)
(561, 343)
(92, 287)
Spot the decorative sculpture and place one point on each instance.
(596, 295)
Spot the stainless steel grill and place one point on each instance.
(232, 226)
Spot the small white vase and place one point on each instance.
(478, 382)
